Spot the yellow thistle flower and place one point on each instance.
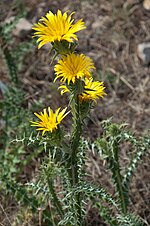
(64, 89)
(71, 67)
(92, 90)
(57, 27)
(49, 121)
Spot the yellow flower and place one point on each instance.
(92, 90)
(64, 89)
(57, 27)
(49, 121)
(72, 67)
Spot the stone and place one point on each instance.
(143, 51)
(146, 4)
(22, 25)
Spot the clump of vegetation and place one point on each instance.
(61, 190)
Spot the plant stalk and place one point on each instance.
(118, 179)
(74, 151)
(55, 198)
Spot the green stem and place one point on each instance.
(74, 150)
(118, 178)
(75, 142)
(55, 198)
(121, 192)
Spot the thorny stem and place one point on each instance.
(118, 178)
(55, 198)
(74, 150)
(75, 140)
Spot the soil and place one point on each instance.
(114, 30)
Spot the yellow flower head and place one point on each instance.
(57, 27)
(92, 90)
(49, 121)
(71, 67)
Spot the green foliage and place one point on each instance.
(20, 192)
(14, 115)
(9, 58)
(86, 191)
(6, 28)
(52, 169)
(39, 194)
(129, 220)
(109, 149)
(14, 156)
(13, 106)
(13, 55)
(111, 145)
(141, 147)
(106, 214)
(6, 38)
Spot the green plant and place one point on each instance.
(61, 189)
(75, 80)
(14, 118)
(109, 148)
